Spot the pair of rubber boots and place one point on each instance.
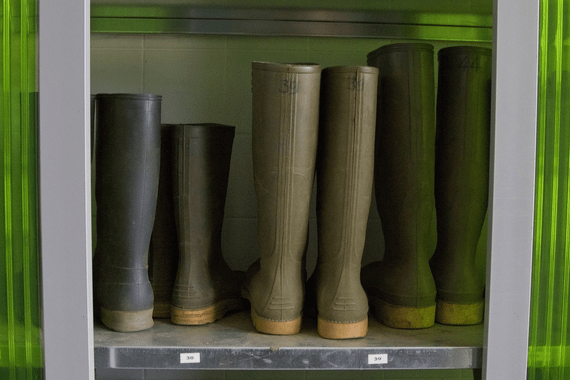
(128, 157)
(289, 144)
(428, 163)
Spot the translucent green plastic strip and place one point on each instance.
(20, 344)
(7, 184)
(549, 356)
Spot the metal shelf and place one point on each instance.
(107, 18)
(233, 343)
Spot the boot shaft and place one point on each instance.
(284, 142)
(462, 145)
(405, 147)
(202, 154)
(128, 164)
(345, 160)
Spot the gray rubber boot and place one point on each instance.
(205, 288)
(163, 256)
(461, 180)
(345, 170)
(401, 288)
(128, 163)
(285, 129)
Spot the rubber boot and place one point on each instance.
(205, 288)
(401, 288)
(163, 257)
(461, 180)
(128, 163)
(345, 170)
(284, 145)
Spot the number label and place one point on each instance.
(289, 86)
(190, 358)
(355, 84)
(378, 359)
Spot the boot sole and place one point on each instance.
(403, 317)
(340, 330)
(127, 321)
(210, 314)
(161, 310)
(267, 326)
(459, 314)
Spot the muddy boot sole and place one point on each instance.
(403, 317)
(127, 321)
(210, 314)
(340, 330)
(459, 314)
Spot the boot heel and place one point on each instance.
(403, 317)
(207, 315)
(342, 330)
(267, 326)
(127, 321)
(449, 313)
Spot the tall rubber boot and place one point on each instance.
(163, 257)
(401, 288)
(345, 170)
(128, 163)
(284, 133)
(461, 180)
(205, 288)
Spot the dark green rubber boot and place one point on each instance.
(345, 170)
(401, 288)
(461, 180)
(128, 163)
(163, 256)
(284, 145)
(205, 288)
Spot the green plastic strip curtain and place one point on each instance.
(549, 351)
(20, 345)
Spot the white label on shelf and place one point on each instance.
(378, 359)
(190, 358)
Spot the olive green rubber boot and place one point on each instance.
(401, 288)
(345, 170)
(284, 145)
(126, 186)
(461, 180)
(205, 288)
(163, 254)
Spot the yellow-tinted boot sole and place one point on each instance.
(403, 317)
(459, 314)
(207, 315)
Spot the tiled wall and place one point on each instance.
(208, 79)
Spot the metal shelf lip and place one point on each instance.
(232, 343)
(288, 22)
